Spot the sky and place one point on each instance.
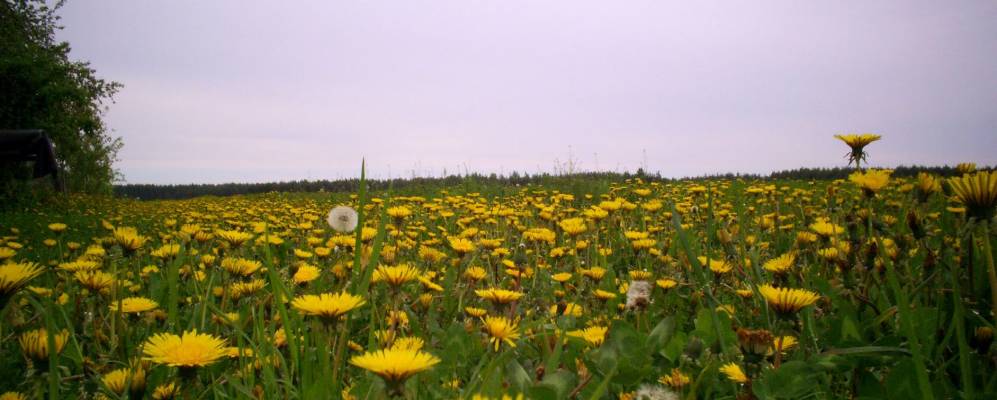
(247, 91)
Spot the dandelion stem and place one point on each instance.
(991, 273)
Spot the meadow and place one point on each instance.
(870, 287)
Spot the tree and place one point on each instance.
(42, 88)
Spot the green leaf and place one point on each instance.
(661, 334)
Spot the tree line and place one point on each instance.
(480, 181)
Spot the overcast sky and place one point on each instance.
(218, 91)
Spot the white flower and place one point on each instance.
(343, 219)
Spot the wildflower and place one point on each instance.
(603, 295)
(927, 184)
(461, 245)
(780, 265)
(857, 143)
(98, 281)
(781, 344)
(573, 226)
(475, 312)
(343, 219)
(501, 329)
(166, 251)
(190, 350)
(397, 319)
(7, 253)
(570, 309)
(539, 235)
(57, 227)
(131, 305)
(14, 276)
(327, 306)
(594, 273)
(234, 238)
(239, 290)
(241, 266)
(825, 228)
(306, 273)
(399, 212)
(977, 192)
(13, 396)
(166, 391)
(754, 343)
(676, 379)
(129, 239)
(395, 365)
(131, 379)
(718, 267)
(498, 296)
(785, 301)
(561, 277)
(965, 167)
(593, 335)
(475, 273)
(871, 181)
(34, 343)
(734, 373)
(408, 343)
(395, 275)
(666, 283)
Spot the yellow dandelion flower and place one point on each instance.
(395, 275)
(131, 379)
(131, 305)
(13, 396)
(475, 273)
(7, 253)
(787, 301)
(34, 343)
(825, 228)
(573, 226)
(166, 251)
(306, 273)
(603, 295)
(718, 267)
(593, 335)
(871, 181)
(734, 373)
(561, 277)
(233, 238)
(498, 296)
(241, 266)
(97, 281)
(781, 264)
(14, 276)
(977, 192)
(501, 329)
(327, 305)
(676, 379)
(395, 365)
(129, 239)
(475, 312)
(857, 144)
(666, 283)
(408, 343)
(190, 350)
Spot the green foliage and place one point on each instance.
(44, 89)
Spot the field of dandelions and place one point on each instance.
(870, 287)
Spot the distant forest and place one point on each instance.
(151, 191)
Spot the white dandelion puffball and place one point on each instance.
(343, 219)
